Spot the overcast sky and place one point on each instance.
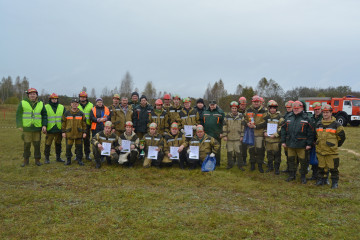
(180, 45)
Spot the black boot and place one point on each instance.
(68, 162)
(98, 163)
(252, 168)
(230, 160)
(303, 179)
(37, 162)
(277, 167)
(334, 183)
(47, 159)
(320, 181)
(58, 158)
(108, 159)
(270, 167)
(314, 173)
(26, 162)
(291, 176)
(260, 168)
(327, 179)
(287, 169)
(87, 157)
(80, 162)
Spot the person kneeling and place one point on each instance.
(175, 139)
(100, 140)
(206, 145)
(128, 156)
(152, 143)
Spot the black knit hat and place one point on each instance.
(143, 96)
(200, 100)
(135, 93)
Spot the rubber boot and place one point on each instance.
(260, 168)
(252, 167)
(327, 179)
(98, 163)
(303, 179)
(87, 157)
(26, 162)
(320, 181)
(47, 153)
(80, 162)
(239, 161)
(37, 162)
(270, 167)
(291, 177)
(58, 158)
(277, 168)
(108, 159)
(314, 172)
(230, 160)
(47, 159)
(68, 162)
(287, 168)
(334, 183)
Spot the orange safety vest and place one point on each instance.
(106, 114)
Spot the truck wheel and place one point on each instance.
(355, 123)
(342, 120)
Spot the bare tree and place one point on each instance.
(93, 93)
(149, 90)
(126, 85)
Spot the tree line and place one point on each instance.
(13, 92)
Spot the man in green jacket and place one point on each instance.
(31, 119)
(297, 134)
(85, 106)
(213, 125)
(54, 111)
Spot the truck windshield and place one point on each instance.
(356, 103)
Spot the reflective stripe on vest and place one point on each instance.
(106, 114)
(31, 116)
(86, 111)
(54, 118)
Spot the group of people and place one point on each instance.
(173, 132)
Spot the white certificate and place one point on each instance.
(271, 128)
(174, 152)
(194, 152)
(152, 153)
(125, 145)
(188, 130)
(107, 149)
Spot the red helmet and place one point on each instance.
(31, 90)
(159, 102)
(186, 100)
(129, 123)
(289, 103)
(242, 100)
(262, 100)
(256, 98)
(272, 103)
(297, 104)
(53, 95)
(327, 107)
(316, 105)
(83, 94)
(234, 104)
(167, 97)
(176, 96)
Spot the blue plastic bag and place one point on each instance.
(209, 164)
(313, 157)
(249, 136)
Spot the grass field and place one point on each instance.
(72, 202)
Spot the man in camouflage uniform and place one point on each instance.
(233, 132)
(330, 136)
(175, 109)
(159, 116)
(74, 129)
(120, 114)
(129, 158)
(105, 136)
(85, 106)
(189, 116)
(244, 147)
(175, 139)
(288, 106)
(254, 119)
(156, 140)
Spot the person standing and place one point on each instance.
(188, 115)
(141, 117)
(244, 146)
(200, 108)
(254, 119)
(73, 129)
(297, 134)
(120, 114)
(289, 109)
(213, 125)
(167, 104)
(31, 119)
(99, 115)
(85, 106)
(55, 111)
(330, 136)
(233, 132)
(134, 100)
(272, 141)
(175, 109)
(160, 117)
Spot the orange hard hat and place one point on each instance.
(83, 94)
(167, 96)
(159, 102)
(53, 95)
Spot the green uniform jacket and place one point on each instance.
(101, 137)
(19, 117)
(258, 115)
(274, 119)
(161, 119)
(330, 136)
(118, 117)
(174, 141)
(133, 138)
(206, 145)
(174, 114)
(73, 124)
(54, 107)
(190, 117)
(213, 122)
(297, 131)
(233, 127)
(156, 140)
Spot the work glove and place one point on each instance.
(212, 155)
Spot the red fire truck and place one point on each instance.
(345, 109)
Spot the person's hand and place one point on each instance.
(44, 129)
(194, 127)
(182, 130)
(21, 129)
(212, 155)
(158, 149)
(64, 135)
(120, 148)
(112, 150)
(272, 136)
(169, 155)
(241, 139)
(284, 145)
(84, 135)
(225, 139)
(181, 148)
(113, 130)
(308, 147)
(100, 147)
(132, 146)
(265, 134)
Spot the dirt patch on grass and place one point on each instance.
(351, 151)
